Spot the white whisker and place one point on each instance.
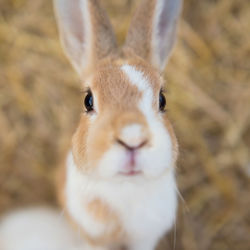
(174, 245)
(183, 200)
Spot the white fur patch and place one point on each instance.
(138, 79)
(78, 195)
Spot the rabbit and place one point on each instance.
(37, 228)
(118, 184)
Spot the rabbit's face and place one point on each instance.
(124, 131)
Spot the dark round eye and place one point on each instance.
(89, 102)
(162, 102)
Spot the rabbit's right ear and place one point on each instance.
(85, 32)
(153, 30)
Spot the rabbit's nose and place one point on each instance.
(131, 148)
(132, 137)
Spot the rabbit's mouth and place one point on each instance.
(131, 173)
(129, 167)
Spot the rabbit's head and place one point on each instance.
(124, 131)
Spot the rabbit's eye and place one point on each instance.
(89, 102)
(162, 102)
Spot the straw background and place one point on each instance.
(208, 101)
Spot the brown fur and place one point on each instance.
(170, 129)
(103, 214)
(79, 144)
(60, 184)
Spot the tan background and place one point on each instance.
(208, 101)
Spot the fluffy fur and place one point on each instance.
(37, 229)
(139, 211)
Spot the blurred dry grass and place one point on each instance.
(208, 101)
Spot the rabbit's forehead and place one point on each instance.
(125, 83)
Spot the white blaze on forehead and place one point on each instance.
(138, 79)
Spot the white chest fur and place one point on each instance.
(146, 208)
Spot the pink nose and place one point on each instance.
(131, 148)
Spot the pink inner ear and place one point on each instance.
(163, 19)
(164, 27)
(162, 31)
(75, 21)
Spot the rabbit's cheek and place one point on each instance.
(159, 157)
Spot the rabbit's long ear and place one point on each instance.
(85, 32)
(153, 30)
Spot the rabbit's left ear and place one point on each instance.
(153, 30)
(85, 32)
